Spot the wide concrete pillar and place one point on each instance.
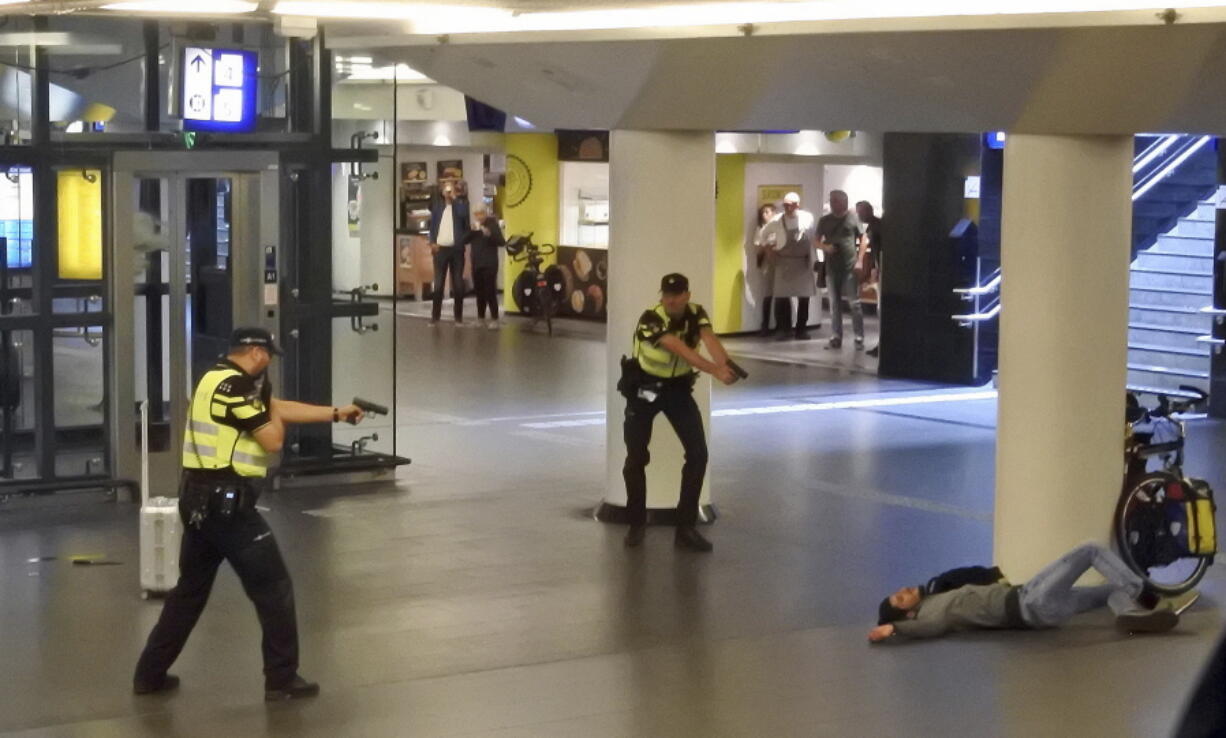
(1067, 224)
(661, 220)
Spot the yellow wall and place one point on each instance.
(538, 213)
(729, 243)
(80, 224)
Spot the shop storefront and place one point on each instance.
(554, 185)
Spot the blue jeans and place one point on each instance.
(1049, 599)
(841, 279)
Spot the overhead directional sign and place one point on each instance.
(219, 89)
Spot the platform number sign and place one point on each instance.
(219, 90)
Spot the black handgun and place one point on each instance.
(737, 370)
(368, 407)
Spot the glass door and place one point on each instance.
(183, 239)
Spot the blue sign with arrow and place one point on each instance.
(219, 90)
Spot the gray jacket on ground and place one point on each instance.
(966, 608)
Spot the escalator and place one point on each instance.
(1171, 282)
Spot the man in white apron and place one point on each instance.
(793, 254)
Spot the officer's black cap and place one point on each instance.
(674, 284)
(252, 336)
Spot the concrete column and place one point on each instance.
(1067, 223)
(662, 220)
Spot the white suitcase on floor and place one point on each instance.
(161, 531)
(160, 535)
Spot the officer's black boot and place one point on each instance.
(295, 690)
(168, 683)
(689, 537)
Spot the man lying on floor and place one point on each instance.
(980, 598)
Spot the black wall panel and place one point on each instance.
(923, 199)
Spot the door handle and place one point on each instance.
(357, 296)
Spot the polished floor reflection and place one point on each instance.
(475, 596)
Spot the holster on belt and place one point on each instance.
(206, 496)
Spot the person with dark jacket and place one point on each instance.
(449, 229)
(981, 598)
(483, 243)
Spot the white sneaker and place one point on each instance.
(434, 324)
(491, 325)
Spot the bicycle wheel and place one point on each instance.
(1149, 535)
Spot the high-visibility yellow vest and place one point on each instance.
(660, 362)
(208, 444)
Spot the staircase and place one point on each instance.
(1172, 274)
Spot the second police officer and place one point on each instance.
(659, 378)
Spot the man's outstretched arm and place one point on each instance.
(289, 411)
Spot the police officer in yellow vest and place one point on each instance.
(233, 425)
(660, 379)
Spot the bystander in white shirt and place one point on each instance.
(446, 228)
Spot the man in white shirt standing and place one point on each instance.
(449, 226)
(793, 233)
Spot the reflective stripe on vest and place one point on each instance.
(657, 360)
(208, 444)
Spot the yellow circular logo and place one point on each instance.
(519, 181)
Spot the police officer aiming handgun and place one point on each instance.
(660, 378)
(233, 424)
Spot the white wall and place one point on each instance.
(807, 174)
(378, 225)
(373, 101)
(860, 182)
(346, 250)
(861, 147)
(592, 180)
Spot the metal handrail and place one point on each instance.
(972, 318)
(1216, 343)
(1153, 151)
(1168, 166)
(987, 288)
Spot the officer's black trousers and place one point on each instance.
(247, 543)
(677, 404)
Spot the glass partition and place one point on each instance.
(365, 211)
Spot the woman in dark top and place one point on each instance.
(483, 243)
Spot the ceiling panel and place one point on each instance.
(1073, 80)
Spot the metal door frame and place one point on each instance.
(255, 181)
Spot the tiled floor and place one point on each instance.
(476, 597)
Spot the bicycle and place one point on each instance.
(537, 292)
(1164, 523)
